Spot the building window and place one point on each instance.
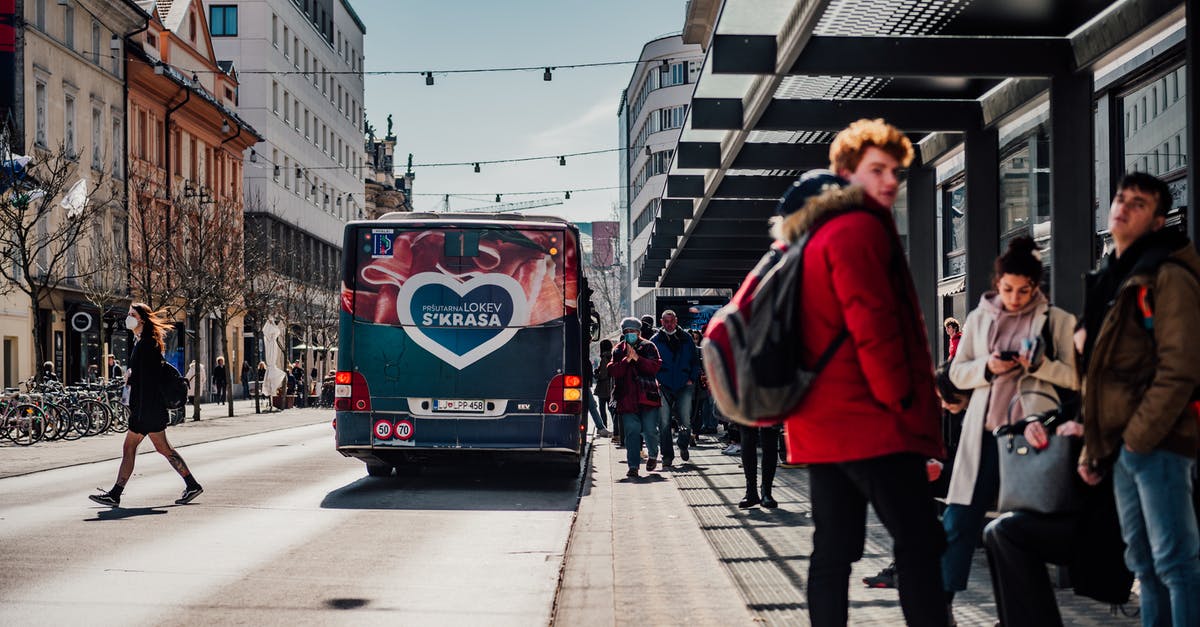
(222, 20)
(117, 151)
(275, 97)
(97, 147)
(39, 14)
(40, 104)
(286, 117)
(69, 125)
(1153, 148)
(95, 42)
(296, 52)
(114, 48)
(143, 130)
(192, 26)
(274, 30)
(286, 43)
(69, 25)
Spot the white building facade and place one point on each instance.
(653, 110)
(300, 65)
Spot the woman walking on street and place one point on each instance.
(997, 365)
(147, 410)
(752, 437)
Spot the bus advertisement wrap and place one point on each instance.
(460, 329)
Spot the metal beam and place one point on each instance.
(716, 113)
(834, 115)
(971, 57)
(921, 188)
(668, 227)
(744, 244)
(677, 208)
(685, 186)
(731, 228)
(743, 54)
(1072, 223)
(730, 209)
(663, 241)
(745, 186)
(1120, 30)
(780, 156)
(698, 155)
(983, 210)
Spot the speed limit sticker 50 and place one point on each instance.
(383, 430)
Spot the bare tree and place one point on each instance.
(209, 242)
(151, 276)
(106, 285)
(46, 210)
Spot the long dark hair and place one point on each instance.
(152, 326)
(1020, 260)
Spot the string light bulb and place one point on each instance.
(647, 151)
(546, 76)
(224, 126)
(253, 156)
(665, 67)
(568, 196)
(497, 197)
(477, 167)
(562, 161)
(428, 78)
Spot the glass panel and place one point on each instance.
(1156, 144)
(1025, 188)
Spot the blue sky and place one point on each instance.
(474, 117)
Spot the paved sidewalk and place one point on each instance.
(762, 555)
(213, 425)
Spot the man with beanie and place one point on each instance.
(870, 418)
(647, 331)
(676, 379)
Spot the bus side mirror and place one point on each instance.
(594, 327)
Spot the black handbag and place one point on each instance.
(1036, 480)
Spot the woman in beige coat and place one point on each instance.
(993, 364)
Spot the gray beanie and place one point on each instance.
(631, 323)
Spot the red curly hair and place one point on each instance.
(848, 147)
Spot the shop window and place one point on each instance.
(1025, 188)
(954, 223)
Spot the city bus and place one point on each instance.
(462, 336)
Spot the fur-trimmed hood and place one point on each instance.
(790, 228)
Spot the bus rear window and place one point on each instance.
(464, 277)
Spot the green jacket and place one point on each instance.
(1139, 381)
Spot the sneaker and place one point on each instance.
(683, 454)
(104, 498)
(666, 464)
(733, 449)
(632, 473)
(650, 464)
(750, 501)
(769, 502)
(885, 579)
(188, 495)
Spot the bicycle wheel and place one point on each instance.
(53, 427)
(120, 418)
(25, 424)
(74, 422)
(98, 415)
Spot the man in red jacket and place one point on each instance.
(870, 419)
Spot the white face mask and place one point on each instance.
(131, 322)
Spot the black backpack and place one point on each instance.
(174, 386)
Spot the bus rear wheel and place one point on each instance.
(379, 470)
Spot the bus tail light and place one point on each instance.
(564, 395)
(350, 392)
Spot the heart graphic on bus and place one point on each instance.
(461, 322)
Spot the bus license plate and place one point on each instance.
(457, 405)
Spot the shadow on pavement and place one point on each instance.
(477, 487)
(120, 513)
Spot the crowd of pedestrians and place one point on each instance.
(1114, 386)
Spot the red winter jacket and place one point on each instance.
(624, 375)
(876, 395)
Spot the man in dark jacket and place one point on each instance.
(676, 378)
(870, 419)
(1142, 353)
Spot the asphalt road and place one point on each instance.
(287, 531)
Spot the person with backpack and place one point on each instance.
(1007, 381)
(677, 383)
(634, 363)
(1141, 353)
(148, 406)
(869, 418)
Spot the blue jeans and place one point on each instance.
(679, 401)
(1162, 545)
(635, 427)
(593, 409)
(964, 523)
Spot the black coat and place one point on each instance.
(146, 404)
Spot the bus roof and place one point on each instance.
(479, 219)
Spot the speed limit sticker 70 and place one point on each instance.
(383, 430)
(404, 430)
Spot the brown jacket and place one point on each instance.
(1139, 382)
